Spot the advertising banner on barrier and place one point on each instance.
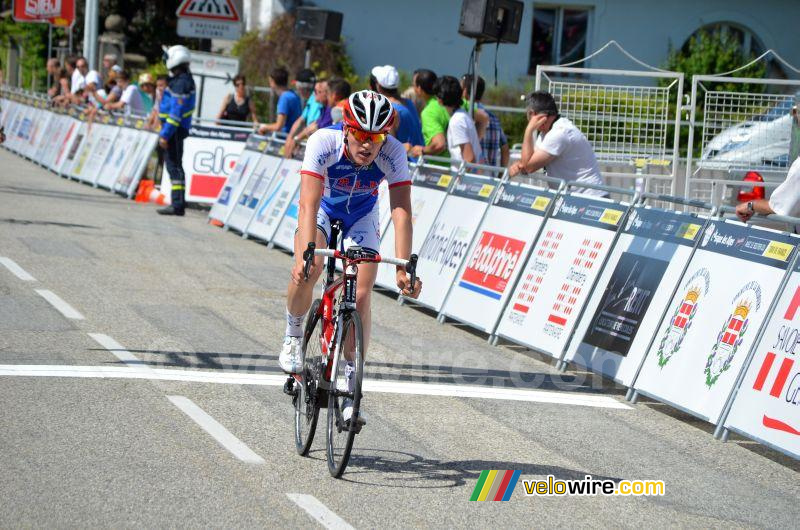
(49, 145)
(252, 190)
(633, 291)
(21, 129)
(41, 125)
(560, 272)
(714, 317)
(72, 138)
(133, 167)
(209, 156)
(76, 151)
(767, 403)
(117, 155)
(431, 184)
(245, 164)
(498, 252)
(104, 137)
(275, 200)
(445, 248)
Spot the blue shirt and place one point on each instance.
(312, 110)
(410, 129)
(290, 105)
(325, 120)
(177, 105)
(351, 192)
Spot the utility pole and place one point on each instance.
(90, 33)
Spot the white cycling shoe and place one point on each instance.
(290, 358)
(347, 403)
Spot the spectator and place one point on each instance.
(76, 79)
(305, 125)
(462, 136)
(560, 146)
(109, 62)
(494, 143)
(53, 69)
(407, 128)
(289, 105)
(434, 117)
(109, 93)
(147, 89)
(238, 106)
(131, 100)
(338, 92)
(153, 121)
(785, 199)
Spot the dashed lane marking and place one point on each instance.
(57, 302)
(370, 385)
(16, 270)
(216, 430)
(321, 513)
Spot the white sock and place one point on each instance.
(294, 325)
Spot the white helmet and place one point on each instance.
(369, 111)
(177, 55)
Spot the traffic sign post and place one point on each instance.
(210, 19)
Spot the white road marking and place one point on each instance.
(119, 351)
(321, 513)
(222, 435)
(16, 270)
(57, 302)
(391, 387)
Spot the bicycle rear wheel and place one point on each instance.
(306, 400)
(340, 433)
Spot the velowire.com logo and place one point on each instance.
(495, 485)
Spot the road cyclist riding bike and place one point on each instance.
(341, 171)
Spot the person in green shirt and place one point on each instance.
(434, 117)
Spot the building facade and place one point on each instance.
(424, 33)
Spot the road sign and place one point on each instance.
(210, 19)
(57, 12)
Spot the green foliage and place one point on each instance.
(712, 52)
(32, 40)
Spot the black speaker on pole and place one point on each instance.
(318, 24)
(491, 20)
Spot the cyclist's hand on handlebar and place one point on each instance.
(299, 273)
(404, 284)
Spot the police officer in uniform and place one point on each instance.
(175, 113)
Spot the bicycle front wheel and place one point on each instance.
(306, 400)
(341, 432)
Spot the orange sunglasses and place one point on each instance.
(366, 136)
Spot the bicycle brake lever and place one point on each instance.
(411, 269)
(308, 256)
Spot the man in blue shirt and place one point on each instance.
(408, 129)
(175, 112)
(289, 104)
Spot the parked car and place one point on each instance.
(759, 143)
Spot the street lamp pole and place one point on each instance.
(90, 33)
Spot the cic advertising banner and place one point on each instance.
(560, 272)
(633, 291)
(245, 164)
(503, 241)
(767, 405)
(428, 192)
(445, 247)
(714, 317)
(209, 156)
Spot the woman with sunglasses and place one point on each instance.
(343, 166)
(238, 106)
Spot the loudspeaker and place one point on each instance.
(491, 20)
(318, 24)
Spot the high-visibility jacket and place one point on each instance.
(177, 104)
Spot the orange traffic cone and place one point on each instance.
(143, 193)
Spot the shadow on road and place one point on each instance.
(398, 469)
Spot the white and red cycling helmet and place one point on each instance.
(369, 111)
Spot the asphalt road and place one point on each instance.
(115, 418)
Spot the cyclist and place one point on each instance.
(341, 171)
